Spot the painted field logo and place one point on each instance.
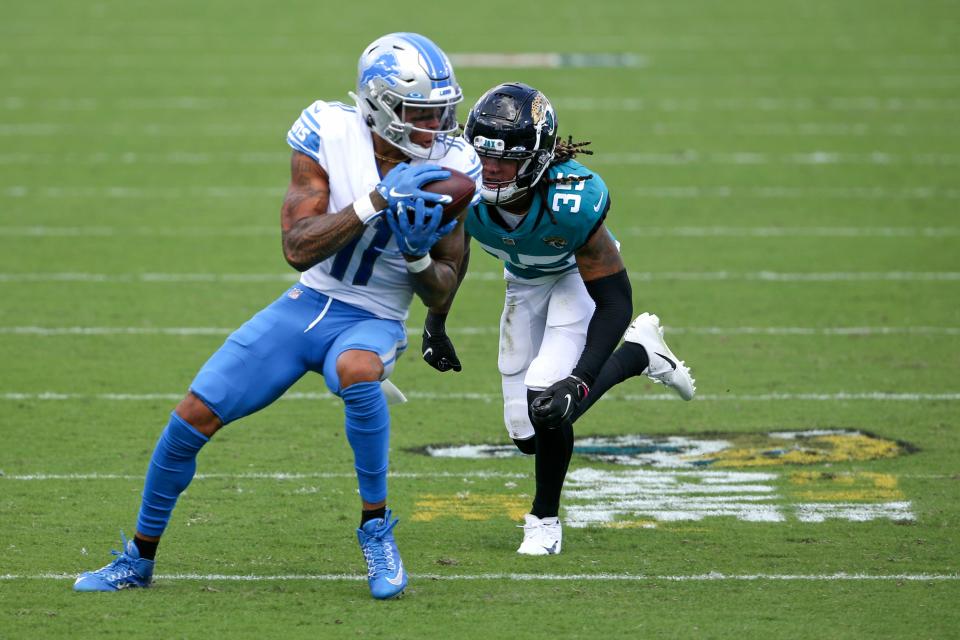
(722, 451)
(685, 478)
(595, 497)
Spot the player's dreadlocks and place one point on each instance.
(567, 150)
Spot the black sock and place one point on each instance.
(368, 515)
(147, 549)
(627, 361)
(528, 446)
(554, 448)
(632, 357)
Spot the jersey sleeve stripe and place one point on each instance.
(343, 107)
(311, 122)
(298, 146)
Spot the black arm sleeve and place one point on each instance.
(614, 298)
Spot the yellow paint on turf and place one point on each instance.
(469, 506)
(631, 524)
(845, 487)
(815, 450)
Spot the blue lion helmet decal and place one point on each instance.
(386, 67)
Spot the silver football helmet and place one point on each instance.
(403, 79)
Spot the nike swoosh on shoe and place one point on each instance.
(672, 363)
(399, 579)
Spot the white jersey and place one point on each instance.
(369, 272)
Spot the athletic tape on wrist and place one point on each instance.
(364, 209)
(420, 264)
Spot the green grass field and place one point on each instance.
(784, 180)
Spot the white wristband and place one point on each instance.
(419, 264)
(364, 209)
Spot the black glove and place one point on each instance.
(437, 349)
(558, 403)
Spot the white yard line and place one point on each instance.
(119, 192)
(115, 331)
(842, 396)
(770, 104)
(740, 233)
(283, 476)
(494, 330)
(783, 232)
(645, 276)
(139, 193)
(659, 79)
(540, 577)
(814, 331)
(100, 158)
(686, 157)
(279, 475)
(931, 193)
(757, 158)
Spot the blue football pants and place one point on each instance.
(301, 331)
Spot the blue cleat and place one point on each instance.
(127, 571)
(385, 572)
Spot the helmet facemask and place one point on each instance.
(531, 166)
(409, 113)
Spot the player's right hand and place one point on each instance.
(558, 402)
(417, 237)
(438, 352)
(437, 349)
(401, 186)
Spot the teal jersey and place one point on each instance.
(559, 222)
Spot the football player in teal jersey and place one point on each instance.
(568, 297)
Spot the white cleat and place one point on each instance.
(664, 368)
(541, 537)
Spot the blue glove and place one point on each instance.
(402, 185)
(416, 238)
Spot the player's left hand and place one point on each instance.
(417, 237)
(557, 403)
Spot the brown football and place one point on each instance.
(459, 186)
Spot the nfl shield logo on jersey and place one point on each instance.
(556, 242)
(294, 293)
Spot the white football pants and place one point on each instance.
(542, 332)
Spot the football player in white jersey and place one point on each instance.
(356, 171)
(568, 298)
